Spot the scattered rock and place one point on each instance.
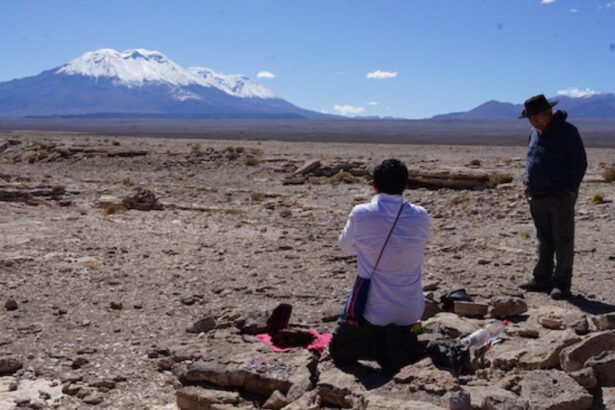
(604, 368)
(93, 398)
(555, 317)
(79, 362)
(507, 306)
(542, 353)
(9, 365)
(106, 201)
(253, 371)
(585, 377)
(429, 285)
(276, 401)
(456, 400)
(71, 389)
(481, 395)
(431, 309)
(308, 401)
(382, 402)
(255, 322)
(116, 305)
(470, 309)
(11, 304)
(495, 402)
(607, 396)
(307, 167)
(142, 200)
(605, 321)
(105, 383)
(197, 398)
(523, 329)
(554, 390)
(338, 388)
(449, 324)
(202, 326)
(426, 377)
(574, 357)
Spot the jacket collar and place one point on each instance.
(382, 197)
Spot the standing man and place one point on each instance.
(556, 164)
(395, 299)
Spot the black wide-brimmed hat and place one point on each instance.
(536, 105)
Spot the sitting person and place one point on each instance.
(395, 299)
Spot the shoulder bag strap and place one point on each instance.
(387, 239)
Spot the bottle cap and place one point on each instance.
(506, 322)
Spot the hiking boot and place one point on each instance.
(560, 294)
(536, 286)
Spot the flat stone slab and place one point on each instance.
(554, 390)
(574, 357)
(250, 367)
(449, 324)
(604, 368)
(479, 395)
(379, 402)
(541, 353)
(470, 309)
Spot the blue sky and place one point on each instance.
(433, 56)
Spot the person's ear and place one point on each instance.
(375, 188)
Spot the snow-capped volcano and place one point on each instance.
(233, 84)
(138, 67)
(140, 83)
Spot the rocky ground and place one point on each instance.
(98, 293)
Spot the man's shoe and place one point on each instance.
(535, 286)
(560, 294)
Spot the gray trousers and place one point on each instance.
(553, 217)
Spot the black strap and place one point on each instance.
(387, 239)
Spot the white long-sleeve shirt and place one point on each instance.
(396, 292)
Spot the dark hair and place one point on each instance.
(391, 177)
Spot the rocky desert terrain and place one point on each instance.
(135, 274)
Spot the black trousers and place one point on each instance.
(553, 217)
(391, 346)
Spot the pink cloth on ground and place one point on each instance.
(322, 340)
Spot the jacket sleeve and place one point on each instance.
(346, 239)
(578, 159)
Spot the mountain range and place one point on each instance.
(140, 83)
(599, 106)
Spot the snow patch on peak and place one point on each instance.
(575, 92)
(233, 84)
(130, 67)
(138, 67)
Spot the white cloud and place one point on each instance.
(574, 10)
(373, 103)
(265, 74)
(611, 5)
(381, 75)
(348, 109)
(547, 1)
(575, 92)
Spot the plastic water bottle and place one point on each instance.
(489, 333)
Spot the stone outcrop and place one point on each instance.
(554, 390)
(574, 357)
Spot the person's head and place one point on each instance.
(539, 111)
(390, 177)
(541, 120)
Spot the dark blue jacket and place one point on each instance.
(556, 159)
